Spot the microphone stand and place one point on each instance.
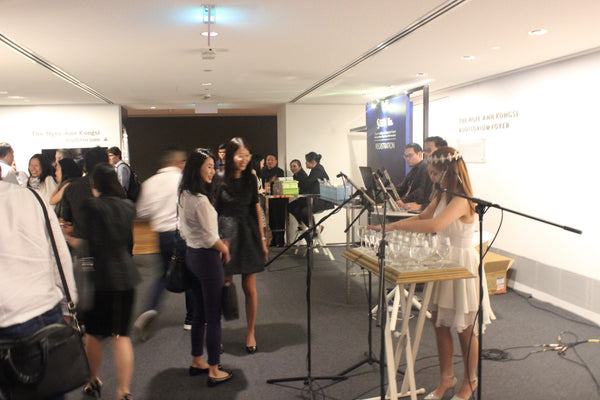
(382, 311)
(370, 359)
(481, 208)
(307, 235)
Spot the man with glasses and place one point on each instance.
(416, 187)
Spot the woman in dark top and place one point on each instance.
(66, 171)
(269, 175)
(108, 229)
(299, 174)
(241, 229)
(310, 185)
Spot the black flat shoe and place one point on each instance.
(251, 349)
(215, 381)
(197, 371)
(93, 389)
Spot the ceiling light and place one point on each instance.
(496, 47)
(153, 108)
(211, 33)
(419, 74)
(537, 32)
(208, 14)
(467, 58)
(15, 97)
(206, 84)
(387, 92)
(3, 92)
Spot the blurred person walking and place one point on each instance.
(108, 230)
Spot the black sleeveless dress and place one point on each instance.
(238, 223)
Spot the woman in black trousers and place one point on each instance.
(205, 255)
(310, 185)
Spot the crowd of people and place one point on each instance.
(210, 209)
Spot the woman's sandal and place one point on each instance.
(473, 384)
(433, 396)
(93, 388)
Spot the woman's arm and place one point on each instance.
(58, 194)
(426, 223)
(262, 232)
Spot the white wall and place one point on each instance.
(29, 129)
(325, 130)
(541, 160)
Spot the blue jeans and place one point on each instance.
(28, 328)
(167, 242)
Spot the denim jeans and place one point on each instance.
(28, 328)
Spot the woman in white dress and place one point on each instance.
(41, 176)
(454, 303)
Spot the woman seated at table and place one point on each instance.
(454, 303)
(310, 185)
(299, 174)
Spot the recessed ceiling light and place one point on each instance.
(3, 92)
(207, 70)
(419, 74)
(467, 58)
(15, 97)
(212, 33)
(206, 84)
(496, 47)
(538, 32)
(153, 108)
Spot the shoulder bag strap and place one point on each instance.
(70, 303)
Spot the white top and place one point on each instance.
(29, 280)
(198, 221)
(158, 199)
(457, 301)
(8, 174)
(46, 189)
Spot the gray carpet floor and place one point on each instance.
(514, 367)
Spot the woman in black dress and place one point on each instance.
(241, 229)
(108, 229)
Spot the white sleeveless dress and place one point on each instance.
(456, 301)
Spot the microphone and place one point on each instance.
(438, 184)
(340, 175)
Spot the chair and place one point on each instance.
(318, 242)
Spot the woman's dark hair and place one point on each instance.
(104, 180)
(232, 146)
(295, 160)
(312, 156)
(255, 162)
(191, 179)
(69, 169)
(45, 164)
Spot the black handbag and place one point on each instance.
(229, 302)
(50, 362)
(177, 277)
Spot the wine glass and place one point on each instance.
(420, 249)
(442, 246)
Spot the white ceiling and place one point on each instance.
(147, 53)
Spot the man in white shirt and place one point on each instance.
(7, 156)
(30, 284)
(158, 203)
(123, 170)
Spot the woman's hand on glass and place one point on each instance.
(374, 227)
